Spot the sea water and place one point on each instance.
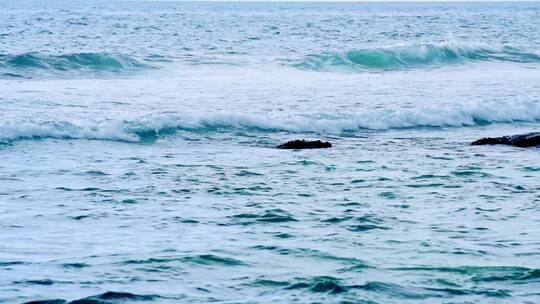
(138, 162)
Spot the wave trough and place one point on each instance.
(414, 56)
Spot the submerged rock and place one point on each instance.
(304, 144)
(521, 140)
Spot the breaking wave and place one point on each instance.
(413, 56)
(29, 64)
(148, 128)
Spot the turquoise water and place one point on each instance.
(138, 162)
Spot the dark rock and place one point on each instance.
(304, 144)
(521, 140)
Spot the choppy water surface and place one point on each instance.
(138, 165)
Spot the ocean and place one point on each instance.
(139, 162)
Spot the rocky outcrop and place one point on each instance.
(521, 140)
(304, 144)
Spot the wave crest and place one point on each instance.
(27, 64)
(413, 56)
(149, 128)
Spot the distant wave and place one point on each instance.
(413, 56)
(28, 64)
(151, 127)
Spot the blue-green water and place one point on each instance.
(138, 163)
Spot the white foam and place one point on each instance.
(375, 119)
(14, 130)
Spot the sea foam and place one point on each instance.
(151, 126)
